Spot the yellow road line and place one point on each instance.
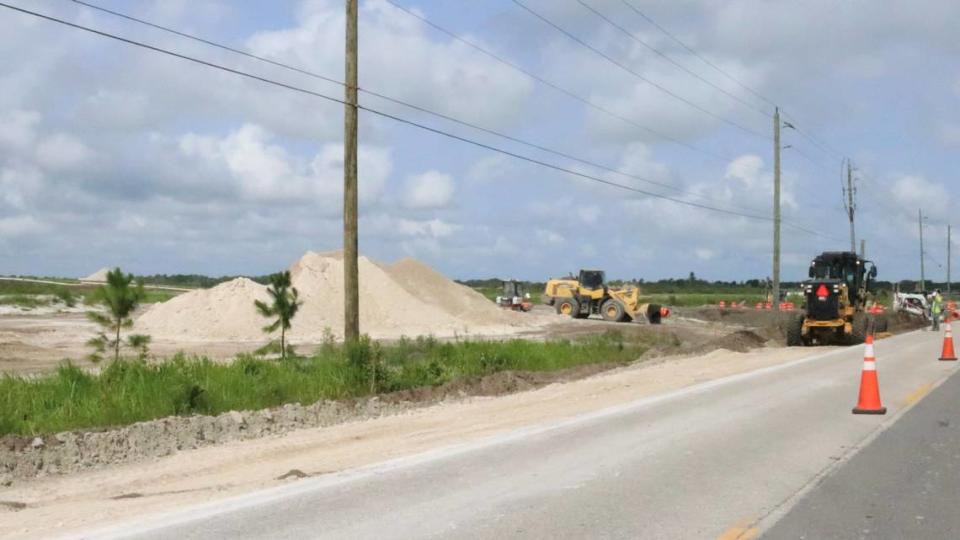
(917, 394)
(741, 531)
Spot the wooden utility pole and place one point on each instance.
(949, 256)
(351, 278)
(923, 285)
(776, 208)
(863, 249)
(851, 207)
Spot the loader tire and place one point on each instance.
(612, 311)
(654, 315)
(795, 331)
(568, 306)
(859, 331)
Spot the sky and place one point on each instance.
(112, 155)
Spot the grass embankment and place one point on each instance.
(29, 295)
(130, 391)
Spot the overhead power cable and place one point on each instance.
(395, 118)
(820, 144)
(554, 86)
(637, 74)
(405, 104)
(683, 68)
(698, 55)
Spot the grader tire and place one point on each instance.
(858, 334)
(795, 331)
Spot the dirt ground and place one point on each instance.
(64, 504)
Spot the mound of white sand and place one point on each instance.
(100, 276)
(405, 299)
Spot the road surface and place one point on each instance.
(905, 484)
(723, 459)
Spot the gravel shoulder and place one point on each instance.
(75, 502)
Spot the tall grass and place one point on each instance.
(129, 391)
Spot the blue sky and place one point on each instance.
(111, 155)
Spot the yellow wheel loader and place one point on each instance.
(589, 295)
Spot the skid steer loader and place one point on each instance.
(589, 295)
(836, 300)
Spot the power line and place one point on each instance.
(393, 117)
(659, 53)
(554, 86)
(405, 104)
(695, 53)
(636, 74)
(823, 146)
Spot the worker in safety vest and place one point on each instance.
(936, 309)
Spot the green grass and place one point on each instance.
(130, 391)
(26, 301)
(30, 295)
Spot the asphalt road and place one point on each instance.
(905, 484)
(721, 459)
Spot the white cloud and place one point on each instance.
(914, 191)
(553, 238)
(18, 129)
(400, 58)
(15, 226)
(434, 228)
(62, 152)
(429, 190)
(263, 170)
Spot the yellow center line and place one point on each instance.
(741, 531)
(917, 394)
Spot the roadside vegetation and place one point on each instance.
(132, 390)
(30, 295)
(119, 296)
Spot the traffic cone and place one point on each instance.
(869, 402)
(948, 352)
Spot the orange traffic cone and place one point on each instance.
(948, 353)
(869, 402)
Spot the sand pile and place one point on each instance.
(405, 299)
(100, 276)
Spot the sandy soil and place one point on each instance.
(92, 499)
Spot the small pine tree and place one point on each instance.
(121, 296)
(284, 305)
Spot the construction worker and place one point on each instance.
(936, 308)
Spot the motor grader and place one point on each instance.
(589, 295)
(836, 301)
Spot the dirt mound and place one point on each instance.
(405, 299)
(224, 313)
(432, 287)
(100, 276)
(739, 341)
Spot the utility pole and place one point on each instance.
(351, 278)
(863, 248)
(776, 208)
(923, 286)
(851, 206)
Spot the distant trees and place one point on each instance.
(120, 296)
(284, 305)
